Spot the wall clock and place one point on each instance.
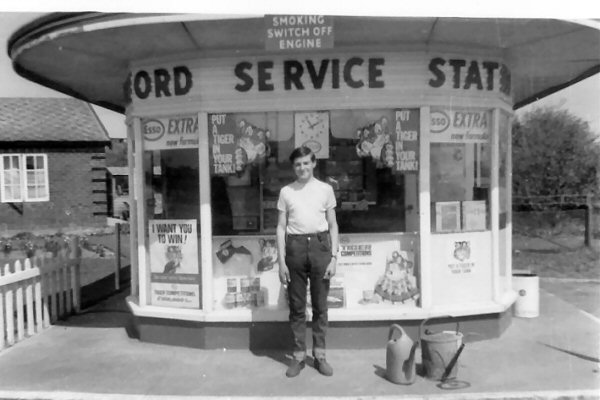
(311, 129)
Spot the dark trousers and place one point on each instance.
(307, 258)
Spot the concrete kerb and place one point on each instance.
(582, 280)
(527, 395)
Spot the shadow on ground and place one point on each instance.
(104, 306)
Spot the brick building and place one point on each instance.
(52, 165)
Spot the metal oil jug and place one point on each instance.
(400, 357)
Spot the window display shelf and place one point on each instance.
(367, 314)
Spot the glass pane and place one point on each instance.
(30, 162)
(376, 191)
(504, 190)
(14, 177)
(122, 185)
(239, 150)
(374, 174)
(504, 198)
(460, 170)
(373, 167)
(172, 202)
(11, 162)
(31, 192)
(40, 178)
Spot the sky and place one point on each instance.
(581, 99)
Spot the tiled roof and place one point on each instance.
(48, 120)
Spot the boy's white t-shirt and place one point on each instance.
(306, 206)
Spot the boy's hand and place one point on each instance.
(284, 275)
(330, 271)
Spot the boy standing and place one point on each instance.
(307, 241)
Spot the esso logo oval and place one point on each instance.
(153, 129)
(440, 121)
(313, 145)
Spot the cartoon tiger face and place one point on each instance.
(268, 249)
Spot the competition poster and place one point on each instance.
(175, 274)
(378, 271)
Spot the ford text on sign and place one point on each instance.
(160, 82)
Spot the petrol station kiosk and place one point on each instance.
(410, 120)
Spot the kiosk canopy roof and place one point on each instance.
(88, 55)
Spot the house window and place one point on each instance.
(24, 177)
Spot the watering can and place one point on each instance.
(440, 352)
(400, 357)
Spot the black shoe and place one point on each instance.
(323, 367)
(294, 369)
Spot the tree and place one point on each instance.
(554, 153)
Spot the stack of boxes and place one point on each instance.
(244, 292)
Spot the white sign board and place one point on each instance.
(177, 132)
(460, 126)
(175, 274)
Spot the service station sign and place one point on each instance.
(357, 75)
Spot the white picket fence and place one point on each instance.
(34, 294)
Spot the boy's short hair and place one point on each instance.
(302, 151)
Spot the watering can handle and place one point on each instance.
(393, 328)
(429, 319)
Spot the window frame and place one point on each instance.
(3, 184)
(24, 180)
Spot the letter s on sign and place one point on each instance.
(434, 67)
(240, 72)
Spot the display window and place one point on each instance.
(460, 169)
(172, 203)
(369, 157)
(374, 271)
(504, 217)
(503, 169)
